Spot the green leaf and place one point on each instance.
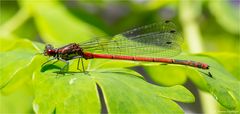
(16, 68)
(77, 92)
(166, 75)
(230, 61)
(231, 16)
(27, 30)
(17, 102)
(65, 94)
(19, 71)
(7, 10)
(123, 92)
(106, 63)
(57, 25)
(153, 5)
(14, 23)
(222, 85)
(225, 90)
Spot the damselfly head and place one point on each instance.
(49, 50)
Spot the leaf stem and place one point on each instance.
(189, 12)
(16, 21)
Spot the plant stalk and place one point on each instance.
(189, 12)
(16, 21)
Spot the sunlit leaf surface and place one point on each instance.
(18, 63)
(123, 92)
(222, 85)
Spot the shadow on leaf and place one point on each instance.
(49, 67)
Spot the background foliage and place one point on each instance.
(211, 33)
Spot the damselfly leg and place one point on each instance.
(80, 59)
(66, 65)
(48, 61)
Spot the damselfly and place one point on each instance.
(150, 43)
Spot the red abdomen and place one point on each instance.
(88, 55)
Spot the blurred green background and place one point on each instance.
(207, 26)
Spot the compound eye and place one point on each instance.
(49, 46)
(50, 52)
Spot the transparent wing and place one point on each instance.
(155, 40)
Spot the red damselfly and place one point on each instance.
(151, 43)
